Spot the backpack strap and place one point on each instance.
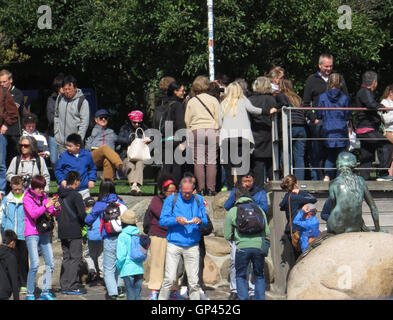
(17, 163)
(80, 102)
(37, 161)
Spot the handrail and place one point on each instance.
(287, 137)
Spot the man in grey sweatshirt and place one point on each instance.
(69, 118)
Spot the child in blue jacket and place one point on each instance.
(130, 271)
(13, 218)
(308, 224)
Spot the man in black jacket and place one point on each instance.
(368, 125)
(70, 223)
(316, 84)
(8, 267)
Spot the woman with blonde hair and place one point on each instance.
(288, 97)
(275, 75)
(261, 127)
(201, 118)
(236, 139)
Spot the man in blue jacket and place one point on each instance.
(76, 159)
(183, 214)
(258, 194)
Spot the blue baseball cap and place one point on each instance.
(101, 112)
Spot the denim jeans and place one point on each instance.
(299, 150)
(111, 274)
(243, 258)
(54, 156)
(133, 286)
(232, 271)
(32, 243)
(332, 154)
(316, 151)
(3, 167)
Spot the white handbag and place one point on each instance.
(138, 150)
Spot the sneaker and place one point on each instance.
(203, 295)
(184, 292)
(135, 190)
(30, 298)
(23, 290)
(175, 296)
(153, 295)
(77, 292)
(108, 297)
(121, 292)
(47, 296)
(224, 189)
(385, 178)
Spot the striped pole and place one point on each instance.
(211, 39)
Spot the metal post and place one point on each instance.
(285, 145)
(275, 148)
(211, 38)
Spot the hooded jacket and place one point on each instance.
(334, 122)
(13, 215)
(308, 228)
(71, 220)
(67, 118)
(84, 164)
(242, 240)
(101, 136)
(124, 264)
(98, 212)
(9, 283)
(188, 235)
(34, 205)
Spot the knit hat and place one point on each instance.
(136, 116)
(128, 217)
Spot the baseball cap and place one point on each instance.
(101, 112)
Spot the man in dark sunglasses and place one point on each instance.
(101, 143)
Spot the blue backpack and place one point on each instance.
(139, 246)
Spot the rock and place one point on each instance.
(355, 265)
(139, 208)
(218, 204)
(218, 227)
(211, 274)
(224, 270)
(217, 246)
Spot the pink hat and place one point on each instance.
(136, 116)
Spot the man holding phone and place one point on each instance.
(183, 214)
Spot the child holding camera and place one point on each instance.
(308, 224)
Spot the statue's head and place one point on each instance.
(346, 160)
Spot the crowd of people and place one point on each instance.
(228, 143)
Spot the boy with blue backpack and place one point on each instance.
(131, 251)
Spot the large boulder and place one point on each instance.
(217, 246)
(356, 265)
(211, 273)
(218, 204)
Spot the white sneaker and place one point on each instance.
(135, 190)
(203, 295)
(183, 292)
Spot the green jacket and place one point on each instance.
(242, 240)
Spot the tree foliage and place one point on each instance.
(123, 46)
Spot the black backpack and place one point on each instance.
(249, 218)
(111, 219)
(162, 113)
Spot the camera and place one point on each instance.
(27, 180)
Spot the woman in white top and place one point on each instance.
(236, 139)
(28, 163)
(387, 101)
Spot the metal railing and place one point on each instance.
(286, 140)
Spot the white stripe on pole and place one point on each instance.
(211, 39)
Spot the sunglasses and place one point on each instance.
(104, 118)
(24, 145)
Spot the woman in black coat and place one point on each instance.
(261, 127)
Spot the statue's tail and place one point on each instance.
(315, 243)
